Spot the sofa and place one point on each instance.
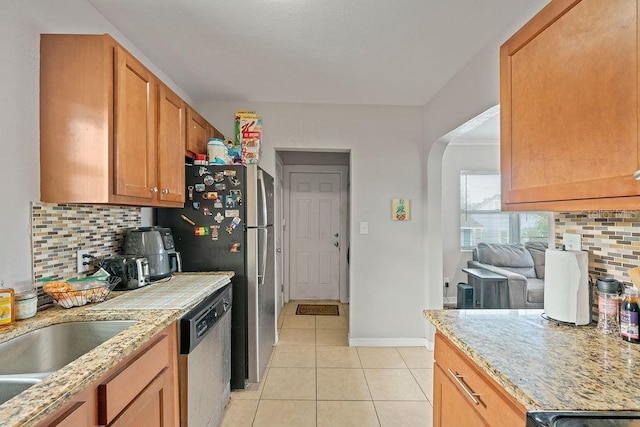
(522, 265)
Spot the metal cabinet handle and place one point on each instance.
(636, 175)
(165, 191)
(460, 380)
(154, 189)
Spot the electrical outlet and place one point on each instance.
(446, 282)
(80, 258)
(572, 242)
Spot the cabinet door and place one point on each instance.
(171, 145)
(450, 407)
(134, 151)
(197, 132)
(150, 408)
(569, 104)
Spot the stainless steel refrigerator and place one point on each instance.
(227, 225)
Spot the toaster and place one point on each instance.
(132, 270)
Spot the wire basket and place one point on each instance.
(80, 292)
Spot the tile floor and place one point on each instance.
(315, 379)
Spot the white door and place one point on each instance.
(314, 236)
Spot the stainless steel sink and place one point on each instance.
(50, 348)
(10, 387)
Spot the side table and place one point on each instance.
(479, 277)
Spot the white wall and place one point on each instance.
(21, 23)
(387, 280)
(473, 156)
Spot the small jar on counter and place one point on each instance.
(609, 291)
(629, 315)
(26, 304)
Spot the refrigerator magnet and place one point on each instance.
(208, 180)
(217, 204)
(201, 231)
(187, 220)
(231, 213)
(234, 181)
(196, 205)
(234, 247)
(218, 218)
(219, 186)
(218, 176)
(233, 225)
(237, 194)
(206, 211)
(203, 171)
(214, 231)
(229, 201)
(190, 188)
(229, 172)
(210, 195)
(199, 188)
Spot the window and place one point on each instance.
(481, 219)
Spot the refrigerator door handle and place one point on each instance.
(263, 268)
(263, 195)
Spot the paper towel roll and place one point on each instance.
(566, 286)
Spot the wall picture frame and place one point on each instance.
(400, 209)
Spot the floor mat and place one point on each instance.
(318, 309)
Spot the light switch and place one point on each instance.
(364, 228)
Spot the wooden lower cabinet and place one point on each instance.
(463, 395)
(141, 391)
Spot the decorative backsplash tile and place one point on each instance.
(59, 230)
(611, 237)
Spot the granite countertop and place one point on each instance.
(546, 366)
(154, 307)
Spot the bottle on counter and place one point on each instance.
(629, 315)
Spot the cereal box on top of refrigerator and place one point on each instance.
(248, 135)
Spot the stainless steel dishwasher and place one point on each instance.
(205, 360)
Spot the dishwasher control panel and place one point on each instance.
(199, 321)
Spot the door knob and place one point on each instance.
(336, 235)
(336, 244)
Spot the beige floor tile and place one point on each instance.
(294, 356)
(297, 337)
(391, 384)
(239, 413)
(331, 322)
(380, 357)
(425, 381)
(400, 414)
(347, 413)
(285, 413)
(299, 322)
(337, 357)
(342, 384)
(253, 391)
(417, 357)
(290, 383)
(331, 337)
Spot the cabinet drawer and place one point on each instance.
(486, 396)
(118, 390)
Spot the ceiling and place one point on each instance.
(391, 52)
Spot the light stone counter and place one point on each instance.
(545, 365)
(44, 398)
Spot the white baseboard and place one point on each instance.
(390, 342)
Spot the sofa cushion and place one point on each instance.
(512, 257)
(535, 290)
(537, 250)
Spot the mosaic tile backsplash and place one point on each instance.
(59, 230)
(611, 237)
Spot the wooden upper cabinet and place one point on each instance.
(569, 108)
(197, 133)
(135, 134)
(172, 119)
(102, 133)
